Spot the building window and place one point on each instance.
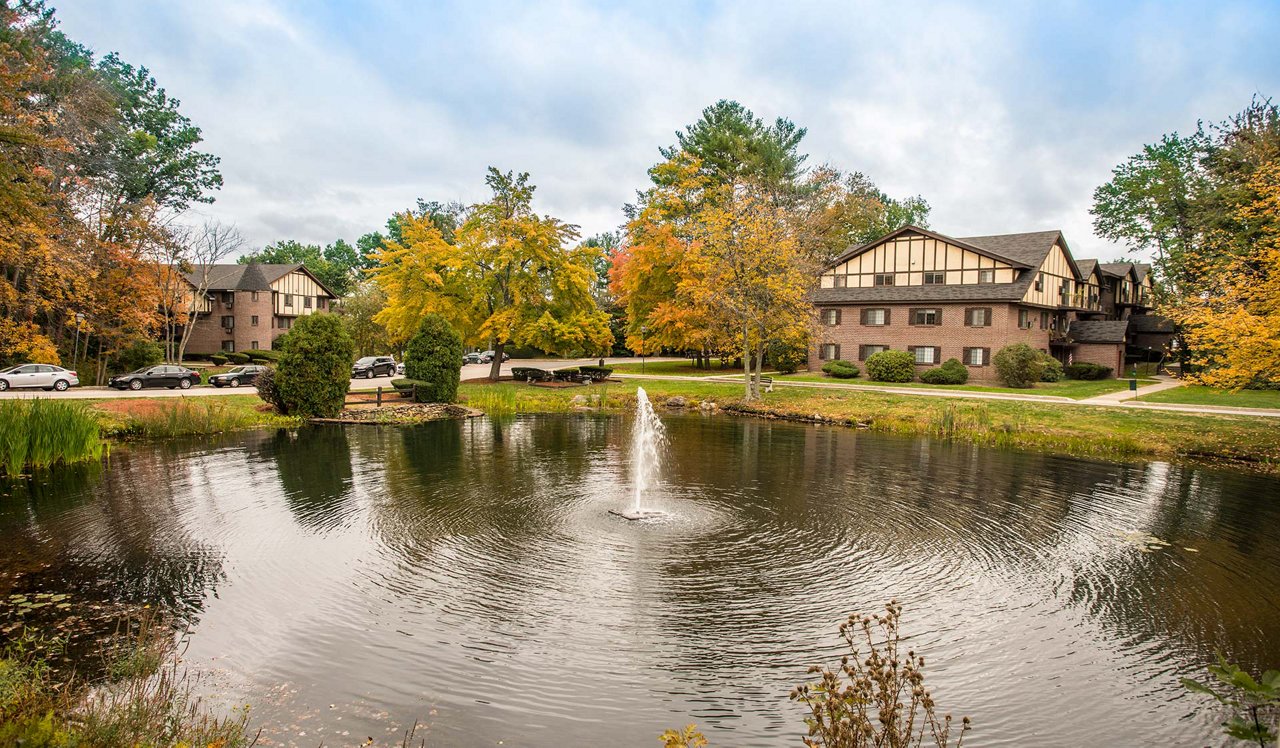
(229, 346)
(977, 356)
(253, 321)
(253, 346)
(840, 281)
(875, 317)
(935, 279)
(884, 279)
(926, 316)
(1044, 320)
(925, 354)
(319, 302)
(228, 298)
(1040, 281)
(288, 300)
(830, 317)
(867, 351)
(829, 351)
(283, 323)
(978, 317)
(1024, 319)
(253, 296)
(306, 302)
(228, 321)
(986, 276)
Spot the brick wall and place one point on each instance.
(952, 336)
(208, 334)
(1103, 354)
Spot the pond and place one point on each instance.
(349, 581)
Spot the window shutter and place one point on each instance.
(886, 316)
(937, 354)
(862, 353)
(837, 352)
(986, 316)
(939, 317)
(986, 356)
(911, 316)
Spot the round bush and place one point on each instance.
(1087, 371)
(137, 355)
(951, 372)
(841, 369)
(1018, 365)
(238, 358)
(315, 367)
(891, 366)
(1052, 368)
(218, 359)
(265, 383)
(433, 359)
(787, 358)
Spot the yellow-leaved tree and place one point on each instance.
(510, 277)
(1232, 324)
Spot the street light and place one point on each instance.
(75, 348)
(643, 329)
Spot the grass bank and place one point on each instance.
(41, 432)
(1193, 394)
(1075, 389)
(1081, 430)
(169, 417)
(676, 368)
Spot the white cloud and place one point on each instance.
(328, 120)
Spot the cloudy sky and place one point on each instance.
(329, 117)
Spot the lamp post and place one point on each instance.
(643, 329)
(75, 348)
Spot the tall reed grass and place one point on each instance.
(40, 432)
(182, 417)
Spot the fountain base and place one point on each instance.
(637, 514)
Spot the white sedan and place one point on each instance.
(44, 376)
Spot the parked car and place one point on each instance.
(164, 375)
(487, 357)
(44, 376)
(373, 366)
(400, 368)
(237, 376)
(471, 358)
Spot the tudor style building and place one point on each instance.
(246, 307)
(941, 297)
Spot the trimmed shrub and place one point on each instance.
(951, 372)
(529, 374)
(265, 383)
(891, 366)
(238, 358)
(787, 358)
(1087, 371)
(218, 359)
(596, 372)
(258, 357)
(1052, 368)
(139, 354)
(1018, 365)
(315, 367)
(841, 369)
(433, 360)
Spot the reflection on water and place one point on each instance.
(468, 575)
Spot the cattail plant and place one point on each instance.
(877, 696)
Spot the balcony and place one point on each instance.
(1089, 300)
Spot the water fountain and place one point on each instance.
(647, 438)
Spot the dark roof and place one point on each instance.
(1086, 267)
(255, 276)
(1116, 269)
(1098, 330)
(1141, 269)
(1025, 251)
(1150, 323)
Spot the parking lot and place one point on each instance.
(469, 371)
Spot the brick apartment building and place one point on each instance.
(246, 307)
(941, 297)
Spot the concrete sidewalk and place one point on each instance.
(1115, 398)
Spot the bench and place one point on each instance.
(768, 383)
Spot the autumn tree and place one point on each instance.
(509, 278)
(335, 265)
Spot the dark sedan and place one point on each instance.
(237, 376)
(156, 376)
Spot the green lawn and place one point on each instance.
(679, 368)
(1198, 395)
(1073, 388)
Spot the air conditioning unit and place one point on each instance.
(228, 330)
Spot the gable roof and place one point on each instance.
(1118, 269)
(255, 276)
(1098, 330)
(1023, 251)
(1086, 267)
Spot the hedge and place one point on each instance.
(238, 358)
(529, 374)
(596, 372)
(259, 356)
(891, 366)
(1087, 371)
(951, 372)
(218, 359)
(841, 369)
